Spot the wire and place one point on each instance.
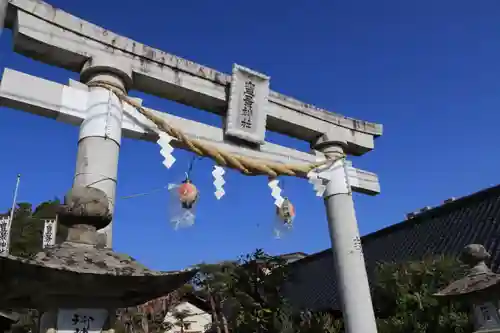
(144, 193)
(191, 165)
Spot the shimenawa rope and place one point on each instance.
(247, 166)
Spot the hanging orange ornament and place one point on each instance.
(188, 194)
(183, 198)
(286, 212)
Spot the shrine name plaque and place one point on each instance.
(246, 113)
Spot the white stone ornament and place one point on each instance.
(276, 192)
(49, 233)
(4, 235)
(219, 181)
(166, 149)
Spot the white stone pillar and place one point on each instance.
(47, 322)
(350, 270)
(100, 133)
(3, 13)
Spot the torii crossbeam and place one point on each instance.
(55, 37)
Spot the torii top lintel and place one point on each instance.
(55, 37)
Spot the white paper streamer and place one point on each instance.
(339, 172)
(4, 235)
(166, 149)
(185, 220)
(49, 232)
(219, 181)
(276, 192)
(317, 183)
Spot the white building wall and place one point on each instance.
(198, 322)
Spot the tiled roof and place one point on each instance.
(442, 230)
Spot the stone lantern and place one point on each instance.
(480, 288)
(77, 285)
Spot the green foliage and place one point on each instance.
(132, 320)
(258, 303)
(246, 296)
(403, 298)
(310, 322)
(252, 301)
(180, 317)
(27, 227)
(26, 241)
(27, 322)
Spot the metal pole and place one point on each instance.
(15, 198)
(350, 270)
(6, 241)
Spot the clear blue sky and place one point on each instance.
(427, 70)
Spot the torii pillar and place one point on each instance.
(349, 262)
(100, 134)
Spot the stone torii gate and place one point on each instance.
(55, 37)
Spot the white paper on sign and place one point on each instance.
(166, 149)
(219, 181)
(49, 233)
(4, 236)
(81, 320)
(276, 192)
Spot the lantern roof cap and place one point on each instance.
(81, 274)
(479, 278)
